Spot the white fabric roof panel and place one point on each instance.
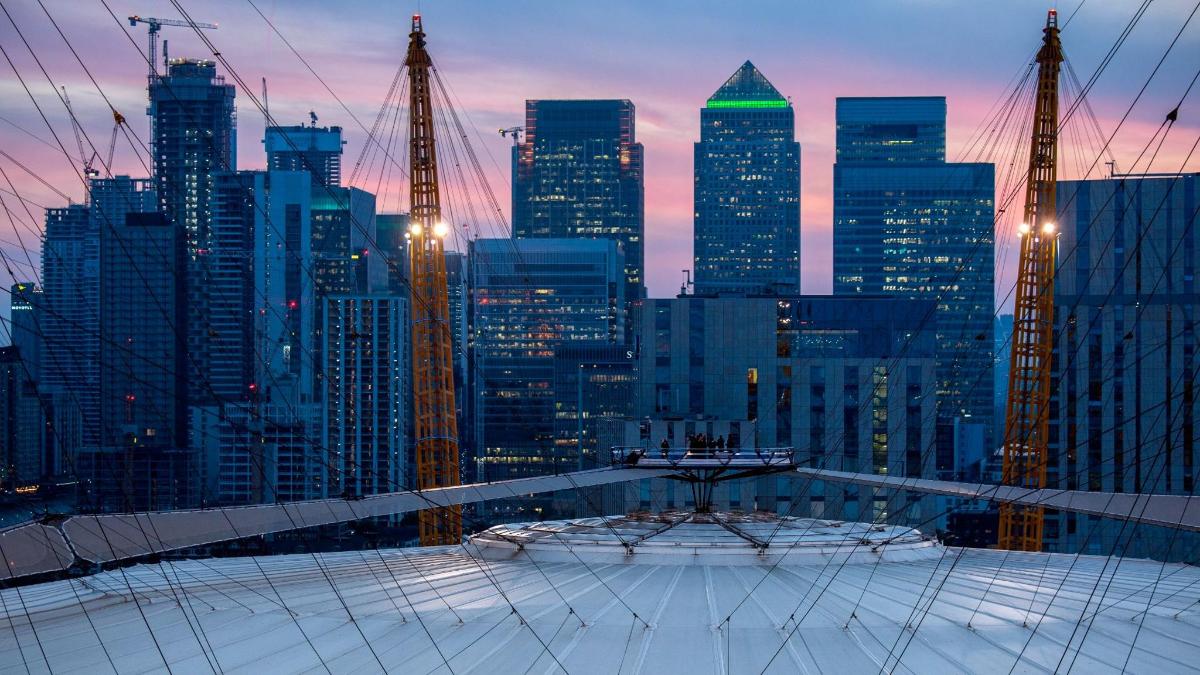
(1177, 511)
(450, 609)
(27, 550)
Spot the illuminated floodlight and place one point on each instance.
(1023, 228)
(440, 229)
(415, 229)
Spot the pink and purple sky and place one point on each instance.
(667, 56)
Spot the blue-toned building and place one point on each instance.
(71, 329)
(579, 174)
(192, 136)
(1125, 403)
(846, 382)
(908, 223)
(26, 312)
(367, 393)
(747, 190)
(532, 296)
(259, 340)
(317, 150)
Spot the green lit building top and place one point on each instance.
(747, 189)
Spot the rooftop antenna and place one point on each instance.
(266, 108)
(687, 282)
(312, 116)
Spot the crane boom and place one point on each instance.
(434, 409)
(1027, 421)
(155, 25)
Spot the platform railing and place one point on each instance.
(684, 457)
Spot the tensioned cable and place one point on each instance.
(1144, 88)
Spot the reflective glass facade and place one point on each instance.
(847, 382)
(907, 223)
(747, 190)
(531, 297)
(1124, 408)
(578, 174)
(317, 150)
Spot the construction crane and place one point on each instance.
(118, 120)
(156, 25)
(436, 424)
(1027, 420)
(515, 132)
(89, 171)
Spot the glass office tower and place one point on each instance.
(1124, 407)
(533, 297)
(578, 174)
(747, 190)
(909, 224)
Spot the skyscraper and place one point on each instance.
(747, 190)
(579, 174)
(25, 331)
(141, 348)
(909, 224)
(229, 344)
(22, 459)
(367, 392)
(1125, 403)
(258, 337)
(192, 135)
(531, 297)
(71, 330)
(317, 150)
(819, 374)
(141, 461)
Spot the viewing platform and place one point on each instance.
(705, 458)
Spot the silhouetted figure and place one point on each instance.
(720, 442)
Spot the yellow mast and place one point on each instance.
(1027, 419)
(436, 426)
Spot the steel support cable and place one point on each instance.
(67, 154)
(131, 591)
(383, 186)
(335, 590)
(433, 641)
(369, 150)
(310, 70)
(33, 629)
(1127, 114)
(571, 549)
(1093, 530)
(486, 569)
(1166, 438)
(35, 176)
(88, 72)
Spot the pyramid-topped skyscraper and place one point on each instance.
(747, 88)
(747, 190)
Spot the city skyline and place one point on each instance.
(894, 55)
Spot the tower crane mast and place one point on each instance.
(1027, 421)
(436, 424)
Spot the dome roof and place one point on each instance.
(687, 538)
(569, 598)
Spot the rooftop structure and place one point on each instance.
(747, 189)
(674, 592)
